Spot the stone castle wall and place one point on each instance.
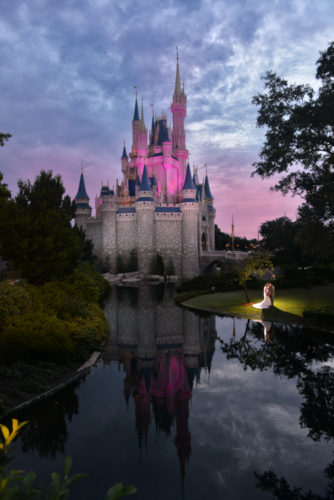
(173, 232)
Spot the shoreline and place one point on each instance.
(65, 380)
(254, 318)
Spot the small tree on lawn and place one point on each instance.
(257, 263)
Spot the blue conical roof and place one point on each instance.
(137, 180)
(81, 194)
(188, 182)
(136, 112)
(208, 194)
(124, 155)
(145, 183)
(154, 181)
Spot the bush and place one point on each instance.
(35, 333)
(14, 300)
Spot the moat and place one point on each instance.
(190, 406)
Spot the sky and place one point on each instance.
(68, 71)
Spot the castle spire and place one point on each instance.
(82, 194)
(208, 194)
(124, 155)
(142, 123)
(145, 184)
(188, 182)
(177, 90)
(136, 112)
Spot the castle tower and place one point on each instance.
(135, 131)
(82, 209)
(211, 213)
(109, 241)
(142, 146)
(145, 217)
(179, 110)
(189, 208)
(125, 162)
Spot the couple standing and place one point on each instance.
(268, 297)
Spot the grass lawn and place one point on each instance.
(289, 303)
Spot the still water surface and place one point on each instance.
(189, 406)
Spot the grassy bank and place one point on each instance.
(292, 305)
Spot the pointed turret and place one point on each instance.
(179, 110)
(136, 112)
(153, 181)
(142, 122)
(188, 182)
(152, 129)
(82, 194)
(124, 154)
(208, 194)
(82, 209)
(177, 90)
(145, 183)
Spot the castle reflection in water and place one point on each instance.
(163, 350)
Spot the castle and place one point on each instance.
(159, 208)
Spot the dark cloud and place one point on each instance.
(68, 69)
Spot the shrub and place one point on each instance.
(14, 300)
(36, 334)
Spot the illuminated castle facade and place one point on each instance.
(159, 207)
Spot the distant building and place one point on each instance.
(159, 207)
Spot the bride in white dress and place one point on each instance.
(266, 302)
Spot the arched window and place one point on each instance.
(204, 246)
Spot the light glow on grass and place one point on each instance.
(289, 304)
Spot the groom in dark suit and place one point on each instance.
(272, 293)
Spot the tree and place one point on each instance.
(223, 241)
(256, 263)
(300, 137)
(280, 237)
(4, 138)
(36, 231)
(4, 191)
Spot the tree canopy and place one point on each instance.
(4, 138)
(36, 231)
(299, 141)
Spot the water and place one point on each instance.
(189, 406)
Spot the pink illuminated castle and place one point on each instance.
(160, 208)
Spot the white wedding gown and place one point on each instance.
(265, 303)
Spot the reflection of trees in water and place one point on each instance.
(317, 409)
(291, 353)
(281, 489)
(47, 431)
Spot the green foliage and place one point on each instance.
(300, 138)
(119, 491)
(35, 334)
(4, 138)
(4, 191)
(256, 263)
(223, 241)
(55, 320)
(36, 231)
(14, 300)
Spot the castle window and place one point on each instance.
(204, 245)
